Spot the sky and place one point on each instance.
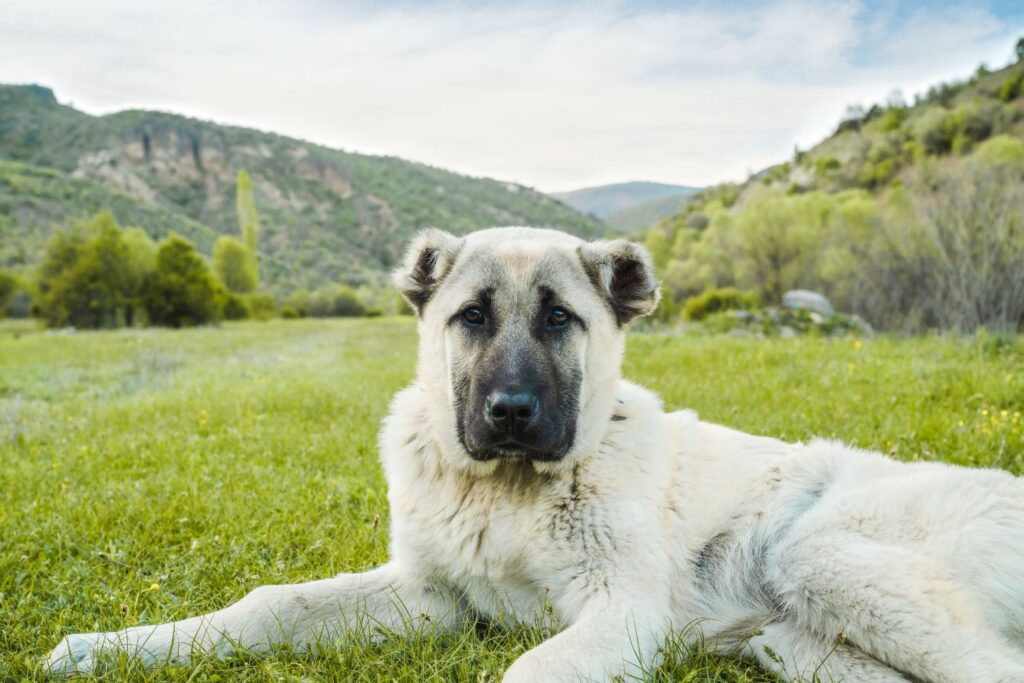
(552, 95)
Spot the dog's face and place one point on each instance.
(521, 338)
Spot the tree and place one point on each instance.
(233, 266)
(86, 277)
(1019, 50)
(248, 220)
(181, 291)
(8, 285)
(775, 240)
(141, 263)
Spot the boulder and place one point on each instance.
(805, 300)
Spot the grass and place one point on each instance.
(149, 475)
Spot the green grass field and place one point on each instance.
(150, 475)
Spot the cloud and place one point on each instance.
(554, 97)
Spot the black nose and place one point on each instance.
(512, 411)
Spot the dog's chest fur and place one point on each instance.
(515, 540)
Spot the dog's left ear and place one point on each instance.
(428, 260)
(624, 274)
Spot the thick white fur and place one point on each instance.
(817, 559)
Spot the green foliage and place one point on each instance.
(131, 458)
(233, 306)
(234, 266)
(88, 277)
(868, 231)
(249, 225)
(262, 305)
(336, 301)
(823, 165)
(8, 285)
(774, 238)
(1011, 88)
(1001, 150)
(717, 300)
(181, 292)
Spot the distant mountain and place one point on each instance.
(646, 214)
(606, 201)
(326, 214)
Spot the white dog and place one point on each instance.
(524, 473)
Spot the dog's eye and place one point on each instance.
(558, 317)
(473, 315)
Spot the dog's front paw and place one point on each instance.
(76, 654)
(540, 667)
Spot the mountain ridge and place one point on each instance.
(327, 214)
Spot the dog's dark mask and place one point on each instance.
(517, 391)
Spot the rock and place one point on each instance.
(742, 315)
(802, 299)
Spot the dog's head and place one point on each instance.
(521, 339)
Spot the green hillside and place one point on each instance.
(910, 215)
(34, 201)
(326, 215)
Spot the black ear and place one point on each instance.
(622, 271)
(429, 258)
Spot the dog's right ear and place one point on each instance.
(428, 260)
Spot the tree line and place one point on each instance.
(98, 274)
(942, 248)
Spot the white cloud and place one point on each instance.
(557, 98)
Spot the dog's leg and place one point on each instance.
(608, 640)
(383, 600)
(894, 604)
(797, 655)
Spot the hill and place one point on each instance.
(646, 214)
(605, 201)
(326, 214)
(910, 215)
(874, 148)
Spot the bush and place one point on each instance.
(716, 301)
(90, 277)
(181, 292)
(336, 301)
(262, 305)
(1002, 150)
(936, 131)
(234, 306)
(299, 301)
(8, 285)
(291, 313)
(1011, 88)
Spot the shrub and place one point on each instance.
(300, 301)
(234, 306)
(88, 277)
(290, 313)
(1011, 88)
(823, 165)
(262, 305)
(936, 130)
(181, 292)
(336, 301)
(717, 300)
(1002, 150)
(8, 284)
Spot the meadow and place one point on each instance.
(150, 475)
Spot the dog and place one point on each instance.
(526, 478)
